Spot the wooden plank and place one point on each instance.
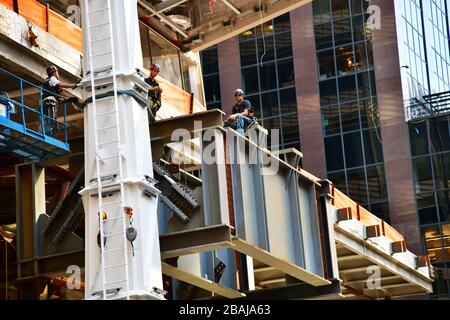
(200, 282)
(64, 281)
(280, 264)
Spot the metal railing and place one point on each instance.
(429, 106)
(32, 118)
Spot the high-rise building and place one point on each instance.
(362, 88)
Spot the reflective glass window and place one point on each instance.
(423, 178)
(333, 153)
(356, 183)
(353, 149)
(330, 120)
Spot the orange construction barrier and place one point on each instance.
(8, 3)
(48, 20)
(34, 12)
(65, 30)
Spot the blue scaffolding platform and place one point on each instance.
(22, 132)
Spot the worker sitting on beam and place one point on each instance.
(242, 116)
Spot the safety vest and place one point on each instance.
(50, 91)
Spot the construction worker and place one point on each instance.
(242, 115)
(154, 92)
(51, 96)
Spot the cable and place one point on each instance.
(262, 34)
(6, 270)
(373, 121)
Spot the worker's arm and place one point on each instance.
(155, 88)
(66, 85)
(245, 112)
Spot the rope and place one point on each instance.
(262, 33)
(6, 270)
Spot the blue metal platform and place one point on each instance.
(22, 131)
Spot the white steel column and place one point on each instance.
(144, 267)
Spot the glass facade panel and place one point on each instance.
(423, 177)
(283, 45)
(418, 136)
(326, 64)
(286, 76)
(333, 153)
(439, 135)
(372, 146)
(347, 88)
(339, 180)
(340, 9)
(427, 208)
(270, 104)
(289, 124)
(330, 120)
(268, 78)
(248, 52)
(288, 101)
(250, 80)
(376, 183)
(323, 36)
(357, 185)
(167, 56)
(212, 88)
(353, 150)
(350, 117)
(381, 210)
(342, 32)
(328, 92)
(431, 164)
(441, 167)
(345, 62)
(433, 243)
(211, 80)
(322, 12)
(443, 201)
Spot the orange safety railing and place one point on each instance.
(46, 19)
(359, 213)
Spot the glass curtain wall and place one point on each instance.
(268, 78)
(174, 65)
(430, 150)
(211, 80)
(349, 109)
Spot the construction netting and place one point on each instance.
(45, 18)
